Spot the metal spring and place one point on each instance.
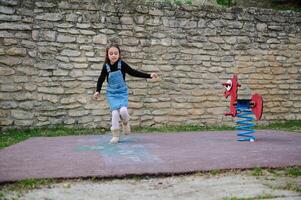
(245, 125)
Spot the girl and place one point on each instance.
(114, 70)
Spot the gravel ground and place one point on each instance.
(225, 186)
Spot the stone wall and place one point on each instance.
(52, 52)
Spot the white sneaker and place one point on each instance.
(116, 135)
(114, 140)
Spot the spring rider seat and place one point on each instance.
(243, 108)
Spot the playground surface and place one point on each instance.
(146, 154)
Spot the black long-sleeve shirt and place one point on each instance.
(125, 68)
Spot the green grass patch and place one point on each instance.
(285, 9)
(257, 171)
(173, 2)
(215, 172)
(291, 125)
(29, 184)
(186, 128)
(13, 136)
(25, 185)
(264, 196)
(293, 171)
(225, 2)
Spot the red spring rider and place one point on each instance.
(243, 108)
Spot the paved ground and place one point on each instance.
(92, 156)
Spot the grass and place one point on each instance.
(288, 172)
(289, 8)
(173, 2)
(31, 184)
(25, 185)
(187, 128)
(281, 6)
(257, 171)
(293, 171)
(13, 136)
(290, 125)
(264, 196)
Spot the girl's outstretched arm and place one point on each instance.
(136, 73)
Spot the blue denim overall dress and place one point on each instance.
(117, 90)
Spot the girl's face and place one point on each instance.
(113, 54)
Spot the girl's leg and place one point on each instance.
(124, 114)
(125, 120)
(115, 119)
(115, 127)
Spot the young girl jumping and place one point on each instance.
(114, 69)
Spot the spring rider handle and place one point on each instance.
(231, 90)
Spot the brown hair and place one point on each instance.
(107, 60)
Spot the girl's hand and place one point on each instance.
(96, 95)
(154, 75)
